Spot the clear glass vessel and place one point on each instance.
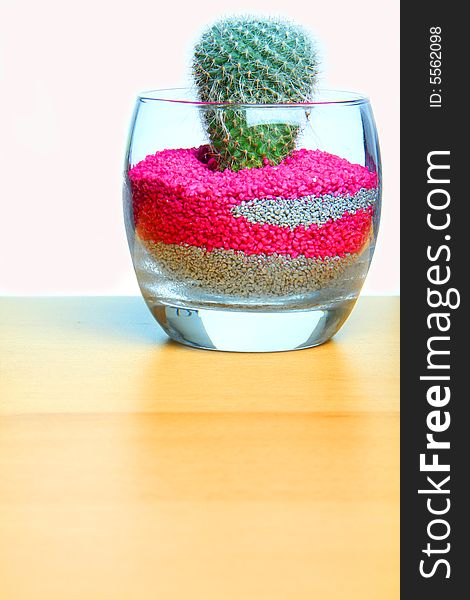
(268, 258)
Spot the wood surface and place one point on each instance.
(132, 467)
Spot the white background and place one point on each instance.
(69, 73)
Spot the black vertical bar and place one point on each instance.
(435, 115)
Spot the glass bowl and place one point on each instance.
(266, 258)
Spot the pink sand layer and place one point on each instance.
(177, 199)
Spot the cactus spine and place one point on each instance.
(252, 60)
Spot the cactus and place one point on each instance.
(252, 60)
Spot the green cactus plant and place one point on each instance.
(252, 60)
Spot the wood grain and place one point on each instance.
(108, 355)
(131, 467)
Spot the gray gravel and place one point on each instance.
(303, 211)
(235, 273)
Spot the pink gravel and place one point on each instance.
(177, 199)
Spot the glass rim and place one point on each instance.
(323, 97)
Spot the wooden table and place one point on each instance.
(135, 468)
